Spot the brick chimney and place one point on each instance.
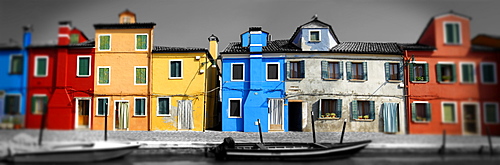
(214, 46)
(63, 34)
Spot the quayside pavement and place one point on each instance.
(381, 142)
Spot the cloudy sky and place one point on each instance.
(188, 23)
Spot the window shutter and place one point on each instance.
(288, 69)
(372, 109)
(387, 71)
(438, 73)
(453, 73)
(411, 70)
(401, 70)
(426, 70)
(104, 42)
(83, 68)
(33, 101)
(41, 66)
(354, 109)
(413, 112)
(302, 69)
(449, 33)
(428, 111)
(466, 73)
(324, 70)
(341, 70)
(348, 70)
(339, 108)
(365, 71)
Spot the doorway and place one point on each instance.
(470, 119)
(294, 116)
(82, 113)
(275, 110)
(185, 114)
(121, 115)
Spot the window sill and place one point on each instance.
(419, 82)
(315, 41)
(235, 117)
(164, 115)
(140, 115)
(394, 81)
(331, 79)
(421, 122)
(446, 82)
(295, 79)
(329, 118)
(102, 115)
(449, 122)
(175, 78)
(82, 76)
(364, 120)
(356, 80)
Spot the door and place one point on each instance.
(83, 109)
(121, 115)
(470, 119)
(185, 108)
(294, 116)
(275, 110)
(391, 117)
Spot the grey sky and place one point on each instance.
(190, 22)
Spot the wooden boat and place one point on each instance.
(71, 152)
(286, 151)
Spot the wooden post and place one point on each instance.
(260, 132)
(42, 125)
(442, 150)
(343, 130)
(489, 140)
(313, 131)
(106, 123)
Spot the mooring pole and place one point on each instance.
(442, 150)
(42, 126)
(489, 140)
(106, 123)
(260, 132)
(313, 131)
(343, 130)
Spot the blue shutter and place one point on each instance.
(387, 71)
(365, 71)
(348, 70)
(372, 109)
(339, 108)
(354, 109)
(324, 70)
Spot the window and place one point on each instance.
(314, 36)
(83, 66)
(141, 42)
(295, 69)
(163, 106)
(12, 104)
(419, 72)
(102, 106)
(445, 72)
(449, 114)
(363, 110)
(488, 73)
(38, 103)
(140, 106)
(393, 71)
(357, 71)
(41, 66)
(421, 111)
(126, 19)
(16, 64)
(141, 75)
(104, 42)
(74, 38)
(452, 32)
(273, 72)
(467, 70)
(175, 69)
(491, 113)
(331, 70)
(330, 108)
(237, 72)
(103, 75)
(234, 108)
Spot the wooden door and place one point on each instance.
(83, 113)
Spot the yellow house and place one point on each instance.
(122, 67)
(183, 85)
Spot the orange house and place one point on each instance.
(451, 84)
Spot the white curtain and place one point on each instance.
(185, 114)
(390, 113)
(276, 111)
(123, 115)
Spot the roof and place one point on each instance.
(440, 15)
(125, 26)
(272, 46)
(316, 22)
(178, 49)
(9, 47)
(415, 46)
(88, 44)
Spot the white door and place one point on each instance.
(275, 110)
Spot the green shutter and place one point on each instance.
(372, 109)
(302, 70)
(339, 108)
(142, 42)
(140, 106)
(83, 66)
(324, 70)
(426, 72)
(41, 69)
(33, 102)
(341, 70)
(16, 65)
(401, 70)
(449, 33)
(140, 75)
(466, 73)
(438, 73)
(428, 111)
(354, 109)
(387, 71)
(104, 75)
(348, 70)
(74, 38)
(104, 43)
(413, 112)
(488, 73)
(365, 71)
(101, 105)
(411, 70)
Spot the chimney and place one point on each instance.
(63, 35)
(27, 35)
(256, 39)
(214, 46)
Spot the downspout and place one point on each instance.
(205, 96)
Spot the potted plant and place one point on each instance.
(17, 122)
(327, 114)
(420, 78)
(360, 117)
(366, 116)
(446, 78)
(322, 116)
(334, 115)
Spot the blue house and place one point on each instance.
(13, 77)
(253, 85)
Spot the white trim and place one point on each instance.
(78, 65)
(255, 55)
(420, 102)
(158, 106)
(243, 70)
(76, 110)
(459, 32)
(147, 42)
(11, 57)
(478, 116)
(63, 35)
(98, 45)
(256, 32)
(474, 80)
(170, 69)
(454, 109)
(279, 71)
(46, 66)
(445, 62)
(419, 62)
(97, 106)
(135, 76)
(37, 95)
(109, 75)
(229, 108)
(145, 106)
(319, 36)
(484, 112)
(255, 44)
(495, 80)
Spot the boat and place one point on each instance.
(70, 152)
(229, 150)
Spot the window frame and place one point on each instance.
(300, 72)
(496, 112)
(440, 76)
(337, 111)
(229, 108)
(78, 65)
(242, 70)
(325, 70)
(414, 112)
(97, 106)
(99, 42)
(19, 103)
(371, 110)
(170, 69)
(426, 73)
(445, 32)
(455, 115)
(364, 69)
(461, 68)
(11, 62)
(145, 106)
(32, 110)
(278, 72)
(135, 74)
(388, 66)
(158, 106)
(495, 78)
(310, 35)
(147, 42)
(98, 75)
(72, 39)
(46, 66)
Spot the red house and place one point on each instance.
(60, 76)
(451, 84)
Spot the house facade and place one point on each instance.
(452, 85)
(122, 71)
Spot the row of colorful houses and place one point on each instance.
(444, 81)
